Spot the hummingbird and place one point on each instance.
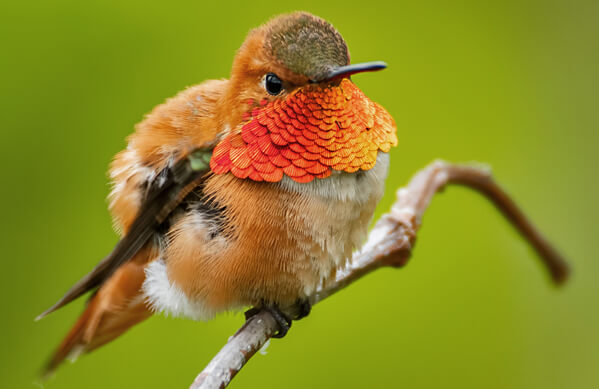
(244, 192)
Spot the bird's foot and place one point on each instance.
(282, 319)
(302, 308)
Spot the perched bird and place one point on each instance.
(247, 192)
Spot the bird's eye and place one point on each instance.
(273, 84)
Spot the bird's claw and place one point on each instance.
(303, 308)
(283, 321)
(300, 309)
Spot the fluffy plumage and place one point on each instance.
(291, 187)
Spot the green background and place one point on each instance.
(512, 84)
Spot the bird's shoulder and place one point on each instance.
(168, 133)
(183, 122)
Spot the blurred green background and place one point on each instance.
(513, 84)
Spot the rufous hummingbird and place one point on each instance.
(247, 192)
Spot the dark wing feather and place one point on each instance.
(163, 196)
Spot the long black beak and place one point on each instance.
(346, 71)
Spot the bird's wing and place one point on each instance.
(164, 194)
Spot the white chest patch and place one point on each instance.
(340, 186)
(345, 207)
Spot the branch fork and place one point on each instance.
(389, 244)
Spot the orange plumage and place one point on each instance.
(307, 135)
(250, 191)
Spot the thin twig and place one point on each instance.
(390, 243)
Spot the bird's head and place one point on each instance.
(292, 108)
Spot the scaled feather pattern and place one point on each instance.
(307, 135)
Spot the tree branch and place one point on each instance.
(390, 243)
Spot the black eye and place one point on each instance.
(273, 84)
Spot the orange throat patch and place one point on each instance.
(307, 135)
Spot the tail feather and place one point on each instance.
(117, 306)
